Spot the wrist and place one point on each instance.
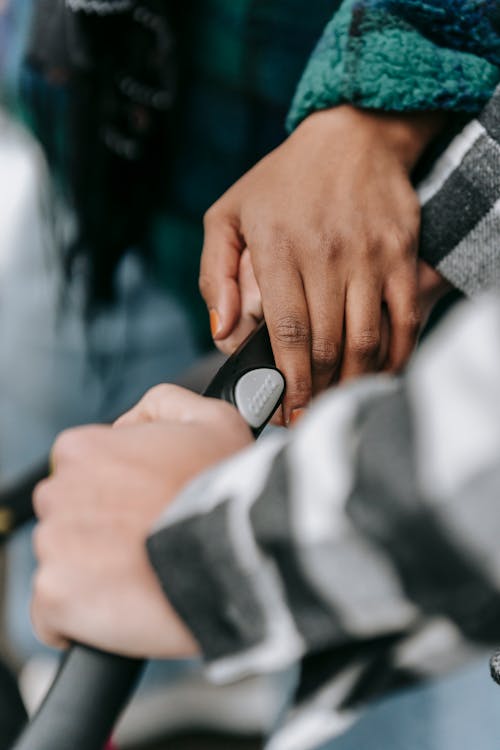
(410, 134)
(406, 135)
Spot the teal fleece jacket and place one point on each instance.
(401, 57)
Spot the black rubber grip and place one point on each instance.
(80, 709)
(254, 352)
(92, 687)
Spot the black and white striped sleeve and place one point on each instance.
(460, 198)
(378, 511)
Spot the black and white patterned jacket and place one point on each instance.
(461, 206)
(366, 539)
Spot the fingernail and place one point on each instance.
(214, 322)
(295, 415)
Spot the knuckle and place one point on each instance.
(291, 331)
(299, 391)
(77, 442)
(277, 231)
(47, 594)
(325, 354)
(331, 245)
(156, 400)
(211, 215)
(411, 322)
(401, 240)
(365, 346)
(159, 393)
(282, 242)
(67, 445)
(42, 495)
(205, 285)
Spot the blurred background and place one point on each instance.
(110, 152)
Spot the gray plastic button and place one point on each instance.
(257, 394)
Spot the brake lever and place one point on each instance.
(92, 687)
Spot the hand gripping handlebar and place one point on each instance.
(92, 687)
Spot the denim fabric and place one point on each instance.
(460, 712)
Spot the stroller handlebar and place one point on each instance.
(92, 687)
(88, 693)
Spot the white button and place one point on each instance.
(257, 394)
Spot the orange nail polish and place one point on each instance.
(214, 322)
(296, 415)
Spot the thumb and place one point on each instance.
(250, 306)
(219, 270)
(171, 403)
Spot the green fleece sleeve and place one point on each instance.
(372, 58)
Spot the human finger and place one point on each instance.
(219, 268)
(171, 403)
(401, 296)
(287, 318)
(326, 301)
(362, 328)
(251, 306)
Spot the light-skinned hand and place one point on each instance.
(94, 583)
